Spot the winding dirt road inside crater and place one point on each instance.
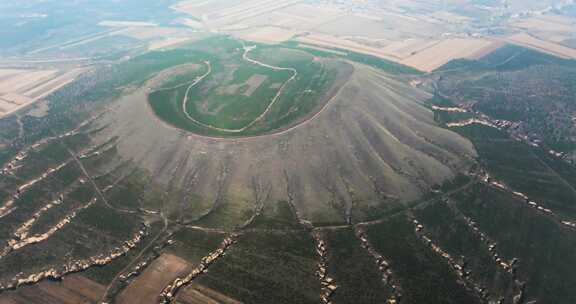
(257, 119)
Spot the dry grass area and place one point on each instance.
(21, 88)
(416, 39)
(549, 23)
(198, 294)
(552, 48)
(267, 34)
(149, 284)
(74, 289)
(422, 54)
(412, 33)
(386, 26)
(54, 84)
(405, 48)
(329, 41)
(144, 33)
(15, 99)
(25, 79)
(439, 54)
(298, 17)
(112, 23)
(548, 33)
(549, 28)
(222, 13)
(168, 42)
(487, 50)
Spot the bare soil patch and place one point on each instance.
(199, 294)
(146, 288)
(529, 41)
(74, 289)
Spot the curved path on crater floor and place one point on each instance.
(257, 119)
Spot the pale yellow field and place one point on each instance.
(268, 35)
(557, 37)
(20, 88)
(112, 23)
(230, 17)
(529, 41)
(390, 26)
(150, 32)
(558, 19)
(200, 9)
(6, 106)
(294, 17)
(54, 84)
(22, 80)
(406, 48)
(160, 44)
(449, 17)
(10, 72)
(16, 98)
(422, 54)
(218, 13)
(448, 49)
(331, 41)
(546, 24)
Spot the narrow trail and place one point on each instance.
(99, 191)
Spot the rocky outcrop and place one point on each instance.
(388, 277)
(328, 285)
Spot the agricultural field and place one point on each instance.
(526, 40)
(20, 88)
(422, 36)
(433, 57)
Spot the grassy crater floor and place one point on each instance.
(231, 89)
